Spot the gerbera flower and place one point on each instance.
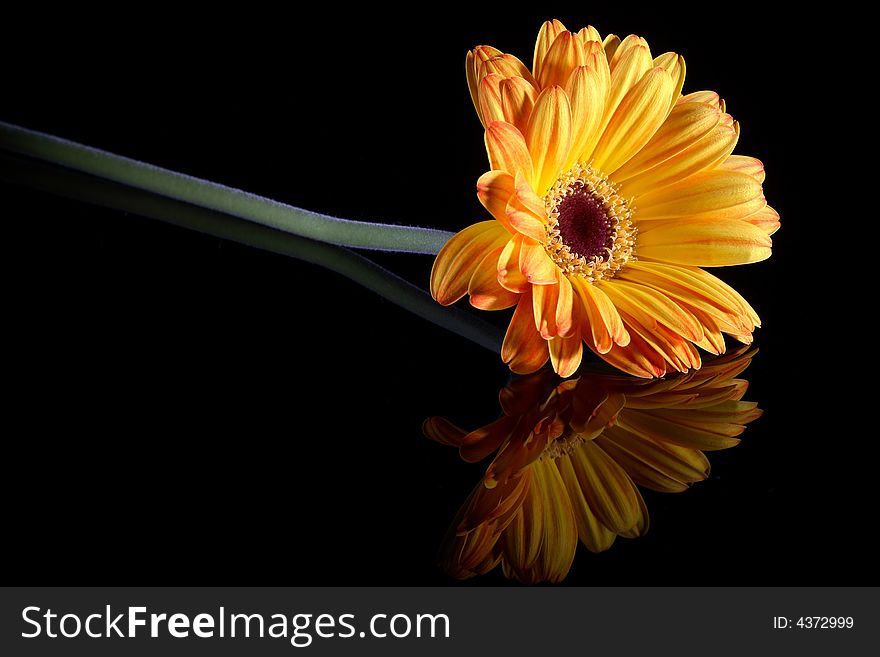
(609, 191)
(569, 456)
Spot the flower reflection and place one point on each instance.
(569, 457)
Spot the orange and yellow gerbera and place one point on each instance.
(609, 191)
(570, 455)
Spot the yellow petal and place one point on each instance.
(706, 97)
(472, 65)
(560, 528)
(610, 44)
(685, 125)
(602, 321)
(744, 164)
(587, 92)
(546, 36)
(704, 243)
(490, 99)
(524, 350)
(638, 116)
(565, 54)
(507, 149)
(767, 219)
(700, 156)
(459, 257)
(593, 534)
(606, 487)
(589, 33)
(548, 137)
(652, 307)
(674, 65)
(652, 425)
(716, 194)
(632, 59)
(505, 65)
(517, 100)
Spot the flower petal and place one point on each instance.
(652, 307)
(560, 528)
(494, 189)
(544, 300)
(536, 265)
(719, 194)
(546, 36)
(509, 275)
(652, 425)
(459, 257)
(486, 293)
(566, 354)
(707, 97)
(443, 431)
(548, 137)
(632, 59)
(744, 164)
(607, 488)
(685, 125)
(507, 149)
(704, 243)
(593, 534)
(490, 99)
(702, 155)
(524, 350)
(638, 116)
(517, 100)
(473, 62)
(674, 65)
(587, 91)
(565, 54)
(767, 219)
(565, 322)
(600, 318)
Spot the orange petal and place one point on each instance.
(767, 219)
(459, 257)
(494, 189)
(548, 137)
(472, 64)
(507, 149)
(509, 274)
(565, 323)
(443, 431)
(524, 350)
(479, 443)
(544, 301)
(566, 354)
(484, 289)
(652, 307)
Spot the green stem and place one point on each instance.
(71, 184)
(206, 194)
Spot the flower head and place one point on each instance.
(569, 456)
(609, 192)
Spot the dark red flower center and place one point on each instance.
(584, 225)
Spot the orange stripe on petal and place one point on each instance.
(507, 149)
(459, 257)
(489, 95)
(524, 350)
(766, 219)
(548, 137)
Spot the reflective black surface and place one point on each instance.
(182, 409)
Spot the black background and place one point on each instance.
(185, 410)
